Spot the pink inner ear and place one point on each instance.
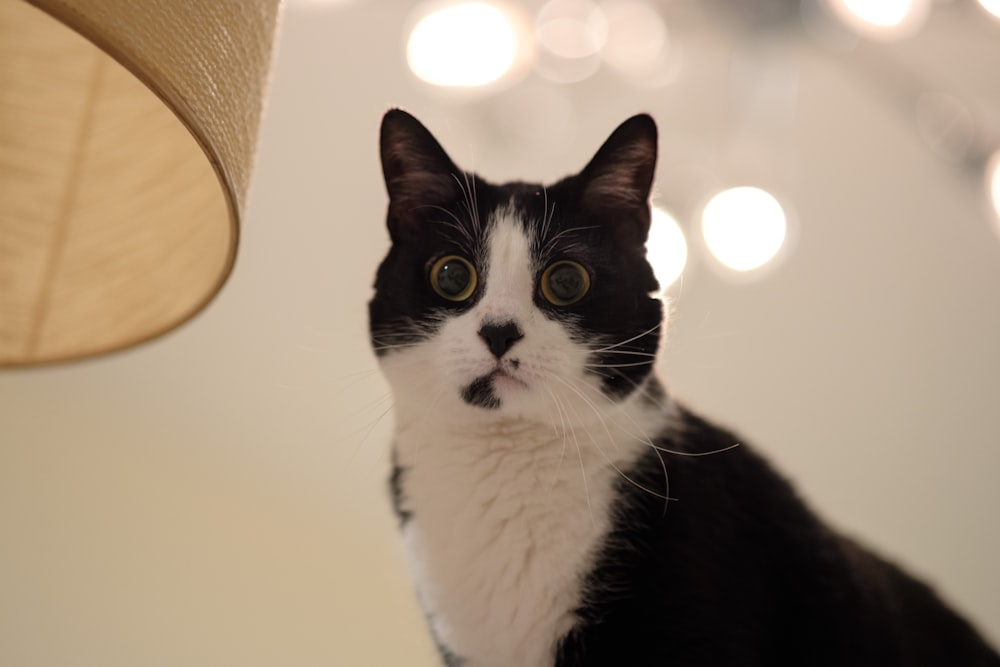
(422, 186)
(616, 188)
(623, 178)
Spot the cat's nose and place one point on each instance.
(500, 337)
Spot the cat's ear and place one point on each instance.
(620, 175)
(417, 171)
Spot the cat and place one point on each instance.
(558, 507)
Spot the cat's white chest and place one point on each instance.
(505, 524)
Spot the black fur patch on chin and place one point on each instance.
(480, 394)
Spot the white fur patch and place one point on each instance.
(508, 505)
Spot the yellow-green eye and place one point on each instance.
(565, 282)
(453, 278)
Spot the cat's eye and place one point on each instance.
(564, 283)
(453, 278)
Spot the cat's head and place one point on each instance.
(516, 300)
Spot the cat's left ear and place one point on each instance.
(418, 173)
(620, 175)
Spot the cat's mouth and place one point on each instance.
(506, 378)
(483, 391)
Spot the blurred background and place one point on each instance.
(827, 235)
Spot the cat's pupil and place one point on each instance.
(566, 282)
(453, 277)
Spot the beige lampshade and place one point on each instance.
(127, 136)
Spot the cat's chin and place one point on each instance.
(494, 390)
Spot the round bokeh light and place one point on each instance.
(744, 227)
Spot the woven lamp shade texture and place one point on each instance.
(127, 136)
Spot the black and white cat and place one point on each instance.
(535, 449)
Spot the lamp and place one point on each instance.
(127, 136)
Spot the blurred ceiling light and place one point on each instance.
(992, 6)
(462, 45)
(883, 19)
(945, 124)
(827, 30)
(879, 12)
(320, 4)
(666, 248)
(744, 228)
(571, 28)
(571, 35)
(637, 37)
(993, 184)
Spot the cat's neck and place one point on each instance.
(638, 418)
(485, 490)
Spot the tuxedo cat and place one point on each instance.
(557, 505)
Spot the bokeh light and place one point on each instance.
(571, 28)
(744, 228)
(637, 37)
(993, 185)
(666, 248)
(992, 6)
(945, 124)
(462, 45)
(883, 19)
(571, 35)
(886, 13)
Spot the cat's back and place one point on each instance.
(736, 570)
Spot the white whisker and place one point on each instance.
(550, 244)
(583, 472)
(601, 417)
(629, 365)
(547, 214)
(645, 333)
(562, 420)
(632, 353)
(666, 450)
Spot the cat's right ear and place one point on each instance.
(417, 171)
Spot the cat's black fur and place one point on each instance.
(738, 571)
(735, 571)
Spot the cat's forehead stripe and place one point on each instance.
(508, 246)
(508, 240)
(508, 265)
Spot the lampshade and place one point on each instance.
(127, 136)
